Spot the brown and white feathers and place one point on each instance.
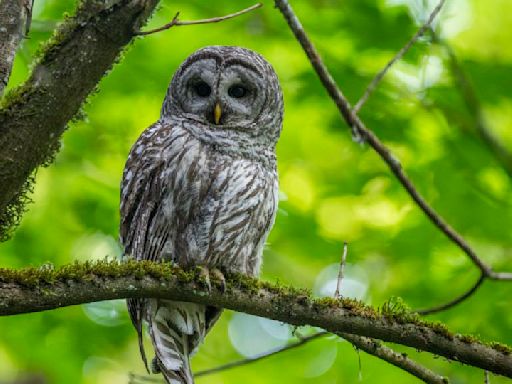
(200, 187)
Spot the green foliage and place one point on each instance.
(333, 189)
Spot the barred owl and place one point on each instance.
(200, 187)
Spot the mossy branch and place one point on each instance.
(34, 115)
(38, 289)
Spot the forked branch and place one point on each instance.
(175, 22)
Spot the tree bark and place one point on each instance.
(31, 290)
(34, 115)
(14, 16)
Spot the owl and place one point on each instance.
(200, 188)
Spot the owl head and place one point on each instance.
(227, 91)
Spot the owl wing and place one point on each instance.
(141, 191)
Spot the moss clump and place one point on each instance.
(468, 339)
(505, 349)
(359, 308)
(397, 310)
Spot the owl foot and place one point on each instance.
(219, 278)
(206, 276)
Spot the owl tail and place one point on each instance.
(176, 328)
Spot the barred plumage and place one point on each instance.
(200, 188)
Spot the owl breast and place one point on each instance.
(214, 209)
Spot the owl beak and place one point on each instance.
(217, 113)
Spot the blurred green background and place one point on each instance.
(332, 189)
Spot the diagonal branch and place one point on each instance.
(175, 22)
(379, 76)
(377, 349)
(30, 290)
(15, 18)
(360, 130)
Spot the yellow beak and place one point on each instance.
(217, 113)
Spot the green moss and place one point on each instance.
(505, 349)
(12, 214)
(359, 308)
(467, 338)
(397, 310)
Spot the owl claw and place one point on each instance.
(219, 278)
(206, 276)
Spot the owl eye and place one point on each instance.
(237, 91)
(202, 89)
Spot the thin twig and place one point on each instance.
(175, 22)
(379, 76)
(486, 377)
(358, 127)
(340, 272)
(261, 356)
(377, 349)
(454, 302)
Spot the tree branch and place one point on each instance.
(371, 347)
(261, 356)
(31, 290)
(15, 18)
(175, 22)
(379, 76)
(34, 115)
(375, 348)
(452, 303)
(360, 130)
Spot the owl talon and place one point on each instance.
(219, 278)
(204, 278)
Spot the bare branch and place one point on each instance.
(375, 348)
(379, 76)
(15, 16)
(32, 289)
(262, 356)
(360, 130)
(456, 301)
(175, 22)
